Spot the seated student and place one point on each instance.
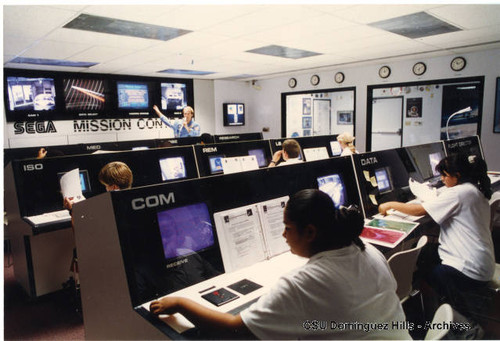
(114, 176)
(182, 128)
(464, 261)
(346, 141)
(345, 283)
(289, 154)
(206, 138)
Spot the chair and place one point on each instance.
(403, 266)
(444, 314)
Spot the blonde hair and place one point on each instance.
(116, 173)
(188, 109)
(348, 140)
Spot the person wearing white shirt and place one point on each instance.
(288, 155)
(346, 141)
(345, 284)
(465, 261)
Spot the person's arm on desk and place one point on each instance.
(200, 316)
(411, 209)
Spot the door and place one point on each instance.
(321, 117)
(387, 120)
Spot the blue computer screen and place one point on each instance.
(132, 95)
(185, 230)
(334, 187)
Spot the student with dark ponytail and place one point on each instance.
(464, 261)
(346, 284)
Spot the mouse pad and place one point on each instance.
(220, 296)
(245, 286)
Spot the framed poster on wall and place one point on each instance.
(496, 123)
(344, 117)
(306, 106)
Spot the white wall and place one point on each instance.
(266, 104)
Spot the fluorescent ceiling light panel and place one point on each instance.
(52, 62)
(416, 25)
(187, 72)
(283, 51)
(94, 23)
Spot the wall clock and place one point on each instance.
(384, 71)
(458, 63)
(419, 68)
(314, 80)
(292, 82)
(339, 77)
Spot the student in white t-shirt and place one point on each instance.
(465, 259)
(346, 285)
(288, 155)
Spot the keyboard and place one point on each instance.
(50, 218)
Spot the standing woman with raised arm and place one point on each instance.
(464, 261)
(182, 128)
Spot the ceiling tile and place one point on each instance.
(54, 50)
(469, 16)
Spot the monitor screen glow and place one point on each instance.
(334, 187)
(84, 94)
(132, 95)
(336, 148)
(383, 180)
(234, 114)
(185, 230)
(216, 164)
(434, 159)
(172, 168)
(260, 155)
(36, 94)
(173, 96)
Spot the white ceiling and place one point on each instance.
(222, 33)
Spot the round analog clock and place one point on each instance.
(419, 68)
(339, 77)
(458, 63)
(384, 71)
(315, 80)
(292, 82)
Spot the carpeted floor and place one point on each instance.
(49, 317)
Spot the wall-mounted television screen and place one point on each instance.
(172, 168)
(85, 94)
(26, 93)
(234, 114)
(334, 187)
(383, 180)
(173, 96)
(260, 155)
(132, 95)
(216, 164)
(185, 230)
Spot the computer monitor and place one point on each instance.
(333, 186)
(383, 180)
(260, 155)
(84, 179)
(318, 153)
(132, 95)
(216, 164)
(336, 148)
(185, 230)
(172, 168)
(434, 159)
